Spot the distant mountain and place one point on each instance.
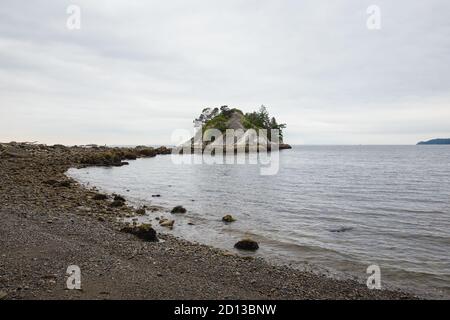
(435, 141)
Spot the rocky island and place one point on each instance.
(230, 128)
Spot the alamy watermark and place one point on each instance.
(374, 20)
(74, 20)
(213, 146)
(74, 280)
(374, 280)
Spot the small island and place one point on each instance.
(435, 141)
(245, 126)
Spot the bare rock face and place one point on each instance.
(247, 244)
(143, 231)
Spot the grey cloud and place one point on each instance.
(137, 70)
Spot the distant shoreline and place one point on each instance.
(54, 222)
(439, 141)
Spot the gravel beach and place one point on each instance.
(49, 222)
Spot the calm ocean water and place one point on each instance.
(390, 204)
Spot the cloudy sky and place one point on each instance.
(137, 70)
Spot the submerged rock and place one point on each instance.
(143, 231)
(228, 218)
(247, 244)
(341, 229)
(178, 209)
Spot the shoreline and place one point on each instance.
(51, 221)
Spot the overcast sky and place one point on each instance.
(137, 70)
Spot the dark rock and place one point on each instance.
(178, 209)
(341, 229)
(156, 195)
(228, 218)
(163, 150)
(119, 198)
(100, 196)
(247, 244)
(65, 184)
(51, 182)
(56, 183)
(146, 151)
(117, 203)
(143, 231)
(140, 211)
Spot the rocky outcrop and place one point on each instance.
(113, 157)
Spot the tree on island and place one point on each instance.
(219, 118)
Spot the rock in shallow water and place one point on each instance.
(166, 223)
(341, 229)
(178, 209)
(140, 211)
(247, 244)
(228, 218)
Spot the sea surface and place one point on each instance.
(330, 209)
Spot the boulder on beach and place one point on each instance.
(178, 209)
(143, 231)
(247, 244)
(100, 196)
(57, 183)
(117, 203)
(119, 198)
(228, 218)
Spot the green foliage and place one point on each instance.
(218, 118)
(219, 122)
(261, 120)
